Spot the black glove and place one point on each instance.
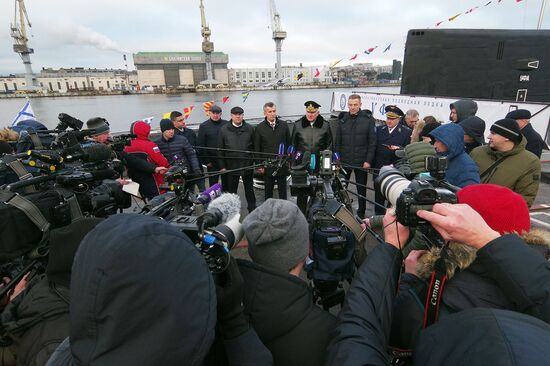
(229, 292)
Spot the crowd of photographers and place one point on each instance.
(134, 289)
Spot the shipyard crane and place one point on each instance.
(207, 48)
(21, 42)
(278, 35)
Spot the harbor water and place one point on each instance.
(122, 110)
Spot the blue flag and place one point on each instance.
(24, 114)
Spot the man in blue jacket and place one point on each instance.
(449, 141)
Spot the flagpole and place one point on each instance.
(541, 14)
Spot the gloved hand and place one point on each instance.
(229, 292)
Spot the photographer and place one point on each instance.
(524, 276)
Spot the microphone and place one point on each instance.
(219, 210)
(281, 151)
(85, 177)
(210, 194)
(91, 153)
(312, 162)
(42, 166)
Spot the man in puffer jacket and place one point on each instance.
(147, 150)
(449, 141)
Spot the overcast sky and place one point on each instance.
(71, 33)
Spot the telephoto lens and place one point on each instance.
(391, 183)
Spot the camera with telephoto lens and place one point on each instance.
(407, 197)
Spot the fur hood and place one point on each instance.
(317, 124)
(460, 256)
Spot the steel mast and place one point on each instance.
(20, 44)
(541, 14)
(278, 35)
(207, 48)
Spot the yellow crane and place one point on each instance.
(21, 42)
(207, 48)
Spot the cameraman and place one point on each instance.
(483, 336)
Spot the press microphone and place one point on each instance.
(209, 194)
(219, 210)
(85, 177)
(91, 153)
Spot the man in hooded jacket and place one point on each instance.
(141, 294)
(449, 142)
(462, 109)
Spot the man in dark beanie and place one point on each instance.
(425, 133)
(504, 161)
(102, 129)
(474, 131)
(278, 303)
(535, 143)
(176, 149)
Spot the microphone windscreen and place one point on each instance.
(228, 203)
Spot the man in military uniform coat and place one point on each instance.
(311, 133)
(389, 138)
(535, 143)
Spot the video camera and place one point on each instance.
(334, 232)
(421, 193)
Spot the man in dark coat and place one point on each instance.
(178, 119)
(474, 132)
(141, 294)
(535, 143)
(356, 143)
(238, 135)
(389, 138)
(277, 301)
(311, 133)
(271, 134)
(364, 322)
(208, 137)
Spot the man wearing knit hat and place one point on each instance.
(176, 148)
(278, 303)
(535, 143)
(504, 161)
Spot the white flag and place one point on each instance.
(148, 120)
(24, 114)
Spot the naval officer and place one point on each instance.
(390, 137)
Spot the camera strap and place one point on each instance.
(435, 290)
(35, 140)
(19, 169)
(342, 214)
(491, 168)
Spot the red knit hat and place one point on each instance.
(502, 209)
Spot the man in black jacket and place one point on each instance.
(178, 119)
(269, 135)
(365, 320)
(311, 133)
(238, 135)
(208, 137)
(277, 301)
(356, 143)
(535, 143)
(176, 149)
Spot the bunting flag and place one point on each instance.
(206, 106)
(454, 17)
(166, 115)
(387, 48)
(187, 111)
(518, 1)
(353, 57)
(488, 3)
(369, 51)
(24, 114)
(299, 76)
(439, 23)
(225, 99)
(471, 10)
(149, 120)
(317, 73)
(245, 95)
(333, 63)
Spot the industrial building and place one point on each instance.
(292, 75)
(73, 80)
(178, 69)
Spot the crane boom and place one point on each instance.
(20, 42)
